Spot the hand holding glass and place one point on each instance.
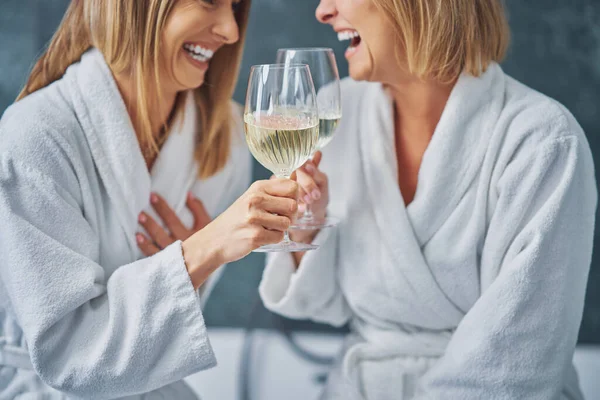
(282, 125)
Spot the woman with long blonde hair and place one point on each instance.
(126, 121)
(467, 204)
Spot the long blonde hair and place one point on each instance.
(441, 39)
(128, 33)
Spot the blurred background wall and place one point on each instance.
(555, 49)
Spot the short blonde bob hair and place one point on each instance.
(443, 38)
(128, 33)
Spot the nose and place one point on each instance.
(326, 11)
(226, 27)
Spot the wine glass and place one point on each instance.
(324, 71)
(281, 122)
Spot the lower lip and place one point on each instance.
(350, 51)
(203, 65)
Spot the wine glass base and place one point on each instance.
(313, 224)
(286, 247)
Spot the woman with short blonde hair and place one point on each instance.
(125, 123)
(467, 204)
(442, 39)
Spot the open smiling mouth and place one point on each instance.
(352, 36)
(198, 52)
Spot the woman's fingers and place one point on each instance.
(269, 237)
(157, 234)
(270, 221)
(316, 160)
(168, 216)
(277, 187)
(306, 179)
(201, 217)
(146, 245)
(275, 205)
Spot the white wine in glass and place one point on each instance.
(327, 126)
(326, 79)
(282, 125)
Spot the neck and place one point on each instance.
(418, 106)
(159, 112)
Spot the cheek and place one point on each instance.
(356, 9)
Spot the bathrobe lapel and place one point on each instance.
(456, 152)
(176, 169)
(462, 134)
(112, 140)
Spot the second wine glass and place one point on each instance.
(281, 123)
(326, 79)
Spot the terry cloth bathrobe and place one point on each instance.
(83, 313)
(474, 290)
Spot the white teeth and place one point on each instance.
(199, 53)
(199, 58)
(347, 35)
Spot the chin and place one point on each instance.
(196, 85)
(359, 74)
(192, 81)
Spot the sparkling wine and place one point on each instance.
(281, 143)
(327, 127)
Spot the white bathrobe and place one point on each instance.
(82, 311)
(476, 289)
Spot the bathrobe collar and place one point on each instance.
(115, 148)
(449, 165)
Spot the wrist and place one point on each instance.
(301, 237)
(201, 258)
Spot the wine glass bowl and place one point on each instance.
(281, 124)
(325, 75)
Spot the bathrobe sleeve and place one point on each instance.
(311, 292)
(517, 341)
(87, 335)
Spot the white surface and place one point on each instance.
(587, 362)
(277, 373)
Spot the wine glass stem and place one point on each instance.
(286, 175)
(308, 214)
(286, 237)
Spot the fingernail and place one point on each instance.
(142, 218)
(310, 168)
(139, 238)
(316, 194)
(153, 198)
(190, 196)
(307, 199)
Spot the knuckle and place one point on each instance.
(256, 186)
(285, 222)
(310, 186)
(256, 199)
(293, 206)
(170, 220)
(293, 186)
(252, 218)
